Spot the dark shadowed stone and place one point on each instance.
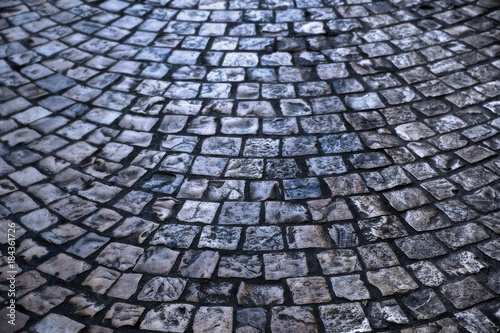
(420, 246)
(424, 304)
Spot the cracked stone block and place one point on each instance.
(284, 265)
(343, 235)
(85, 306)
(156, 260)
(197, 211)
(225, 190)
(255, 295)
(484, 199)
(125, 286)
(344, 318)
(198, 264)
(440, 188)
(284, 319)
(391, 281)
(424, 304)
(168, 317)
(427, 273)
(466, 293)
(162, 289)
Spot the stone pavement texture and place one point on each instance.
(251, 165)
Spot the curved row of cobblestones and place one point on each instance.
(251, 166)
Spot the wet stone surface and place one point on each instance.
(250, 165)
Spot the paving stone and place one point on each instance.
(391, 280)
(345, 317)
(263, 238)
(120, 256)
(198, 264)
(100, 279)
(406, 199)
(57, 322)
(466, 293)
(427, 273)
(387, 178)
(378, 255)
(241, 266)
(461, 263)
(338, 261)
(456, 237)
(123, 314)
(168, 317)
(64, 266)
(424, 304)
(162, 289)
(284, 212)
(294, 317)
(213, 319)
(385, 313)
(282, 265)
(384, 227)
(475, 320)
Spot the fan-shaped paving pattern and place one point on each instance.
(251, 166)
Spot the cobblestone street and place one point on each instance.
(218, 166)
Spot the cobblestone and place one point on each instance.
(250, 166)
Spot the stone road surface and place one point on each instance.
(250, 165)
